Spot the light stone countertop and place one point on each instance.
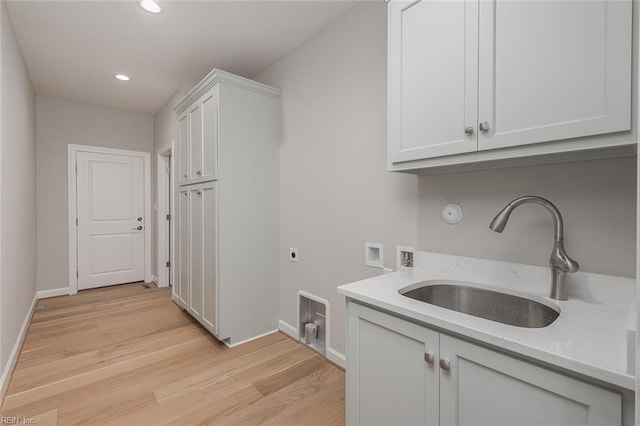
(589, 337)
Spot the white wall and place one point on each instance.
(58, 124)
(17, 191)
(334, 191)
(596, 199)
(165, 130)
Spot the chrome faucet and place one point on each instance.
(560, 262)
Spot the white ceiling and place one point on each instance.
(73, 48)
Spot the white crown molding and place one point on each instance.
(218, 76)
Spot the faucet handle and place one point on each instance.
(561, 260)
(569, 265)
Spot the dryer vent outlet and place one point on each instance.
(312, 324)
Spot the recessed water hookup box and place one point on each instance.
(313, 321)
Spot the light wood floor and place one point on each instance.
(129, 355)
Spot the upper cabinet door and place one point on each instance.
(551, 70)
(195, 137)
(209, 136)
(433, 66)
(183, 149)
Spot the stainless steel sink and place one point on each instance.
(484, 303)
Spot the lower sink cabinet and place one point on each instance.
(402, 373)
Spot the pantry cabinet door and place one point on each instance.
(392, 377)
(184, 149)
(209, 136)
(195, 247)
(433, 71)
(552, 70)
(209, 257)
(481, 387)
(181, 286)
(195, 142)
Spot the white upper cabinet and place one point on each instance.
(208, 161)
(183, 147)
(473, 81)
(433, 77)
(195, 130)
(553, 70)
(198, 144)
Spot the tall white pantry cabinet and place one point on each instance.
(227, 206)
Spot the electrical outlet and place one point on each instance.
(293, 254)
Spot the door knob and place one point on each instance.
(139, 228)
(139, 219)
(445, 365)
(428, 358)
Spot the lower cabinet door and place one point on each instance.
(483, 387)
(181, 286)
(392, 373)
(209, 257)
(195, 248)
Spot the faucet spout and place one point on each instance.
(560, 262)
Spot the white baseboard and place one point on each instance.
(250, 339)
(337, 358)
(288, 329)
(15, 352)
(45, 294)
(154, 279)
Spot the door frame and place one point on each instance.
(72, 209)
(162, 276)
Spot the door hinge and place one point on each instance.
(168, 217)
(168, 264)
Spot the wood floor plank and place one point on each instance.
(284, 378)
(217, 389)
(127, 355)
(101, 395)
(304, 390)
(48, 418)
(219, 372)
(225, 406)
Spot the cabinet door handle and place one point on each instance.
(445, 365)
(138, 228)
(468, 130)
(198, 193)
(429, 358)
(185, 175)
(484, 126)
(199, 173)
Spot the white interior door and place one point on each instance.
(111, 223)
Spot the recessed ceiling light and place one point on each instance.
(150, 6)
(122, 77)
